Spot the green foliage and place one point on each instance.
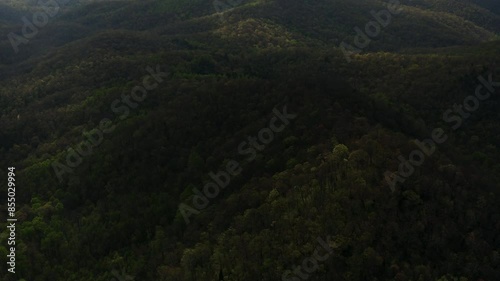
(323, 175)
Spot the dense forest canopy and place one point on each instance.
(189, 140)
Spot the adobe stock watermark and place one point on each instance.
(221, 179)
(39, 19)
(372, 29)
(121, 108)
(311, 264)
(454, 116)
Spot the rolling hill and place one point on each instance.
(221, 77)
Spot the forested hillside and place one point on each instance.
(309, 144)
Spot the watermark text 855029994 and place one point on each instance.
(11, 219)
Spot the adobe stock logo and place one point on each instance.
(372, 29)
(221, 179)
(50, 8)
(310, 264)
(455, 116)
(121, 108)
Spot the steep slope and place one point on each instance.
(330, 22)
(480, 13)
(323, 175)
(491, 5)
